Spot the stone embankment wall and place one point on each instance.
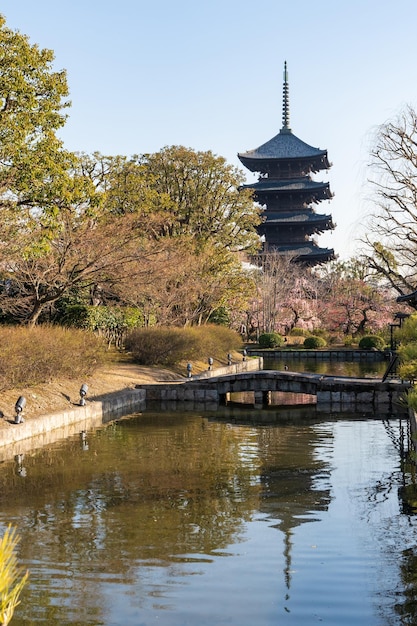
(39, 431)
(323, 355)
(43, 430)
(249, 365)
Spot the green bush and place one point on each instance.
(314, 342)
(407, 352)
(372, 341)
(30, 356)
(112, 323)
(170, 346)
(412, 399)
(270, 340)
(320, 332)
(220, 317)
(299, 332)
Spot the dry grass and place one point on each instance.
(172, 346)
(12, 579)
(33, 356)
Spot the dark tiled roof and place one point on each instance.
(296, 218)
(289, 185)
(307, 251)
(285, 145)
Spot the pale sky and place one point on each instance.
(208, 75)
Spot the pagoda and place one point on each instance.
(287, 192)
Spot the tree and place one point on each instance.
(286, 294)
(32, 101)
(391, 239)
(204, 198)
(73, 242)
(82, 224)
(350, 301)
(202, 222)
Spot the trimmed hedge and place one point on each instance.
(270, 340)
(372, 341)
(314, 342)
(299, 332)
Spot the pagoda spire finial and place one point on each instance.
(285, 103)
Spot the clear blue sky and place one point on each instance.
(208, 75)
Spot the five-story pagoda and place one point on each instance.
(287, 192)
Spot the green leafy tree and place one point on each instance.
(32, 103)
(202, 198)
(201, 221)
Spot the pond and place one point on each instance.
(366, 368)
(185, 518)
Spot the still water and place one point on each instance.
(366, 368)
(189, 519)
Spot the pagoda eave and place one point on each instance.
(305, 185)
(309, 254)
(265, 164)
(305, 196)
(313, 226)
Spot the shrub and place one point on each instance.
(112, 323)
(348, 340)
(299, 332)
(220, 317)
(314, 342)
(169, 346)
(412, 399)
(30, 356)
(320, 332)
(372, 341)
(270, 340)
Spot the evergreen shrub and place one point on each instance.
(406, 337)
(372, 341)
(110, 322)
(314, 342)
(299, 332)
(270, 340)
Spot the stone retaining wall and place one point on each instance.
(96, 412)
(249, 365)
(322, 355)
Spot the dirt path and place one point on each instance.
(62, 394)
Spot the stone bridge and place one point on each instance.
(339, 392)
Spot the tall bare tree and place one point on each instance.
(391, 238)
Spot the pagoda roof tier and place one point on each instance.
(284, 148)
(301, 217)
(306, 252)
(304, 186)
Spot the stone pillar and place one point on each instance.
(262, 398)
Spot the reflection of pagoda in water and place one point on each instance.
(292, 493)
(292, 489)
(288, 193)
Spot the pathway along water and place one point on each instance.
(184, 519)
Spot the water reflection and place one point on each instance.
(184, 519)
(360, 369)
